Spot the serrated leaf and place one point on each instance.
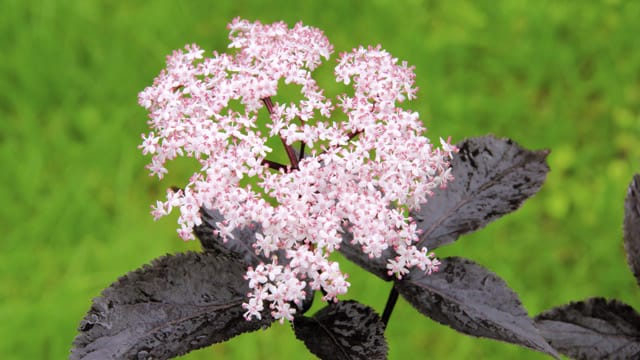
(632, 226)
(474, 301)
(177, 304)
(492, 178)
(592, 329)
(346, 330)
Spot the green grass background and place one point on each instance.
(75, 196)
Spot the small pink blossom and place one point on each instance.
(362, 174)
(149, 144)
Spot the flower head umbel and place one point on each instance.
(360, 175)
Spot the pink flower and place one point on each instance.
(365, 173)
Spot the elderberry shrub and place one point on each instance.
(361, 178)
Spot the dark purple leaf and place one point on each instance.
(241, 244)
(177, 304)
(593, 329)
(346, 330)
(474, 301)
(632, 226)
(492, 178)
(376, 266)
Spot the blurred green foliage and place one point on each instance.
(75, 195)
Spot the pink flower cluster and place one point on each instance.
(361, 174)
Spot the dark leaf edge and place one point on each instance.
(631, 226)
(320, 340)
(240, 245)
(531, 158)
(565, 326)
(524, 334)
(115, 296)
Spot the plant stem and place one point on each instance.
(388, 308)
(354, 134)
(274, 165)
(290, 152)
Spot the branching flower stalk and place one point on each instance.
(361, 175)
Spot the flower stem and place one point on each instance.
(388, 308)
(291, 154)
(274, 165)
(354, 134)
(288, 148)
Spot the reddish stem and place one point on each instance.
(301, 151)
(351, 136)
(274, 165)
(269, 104)
(354, 134)
(288, 148)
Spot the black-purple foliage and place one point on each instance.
(342, 331)
(492, 178)
(472, 300)
(598, 328)
(177, 304)
(187, 301)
